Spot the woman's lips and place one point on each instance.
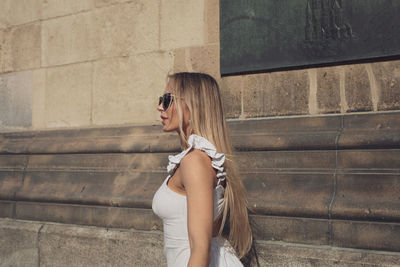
(163, 119)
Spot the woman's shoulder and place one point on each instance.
(196, 157)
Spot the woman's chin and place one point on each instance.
(166, 129)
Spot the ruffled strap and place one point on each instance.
(199, 142)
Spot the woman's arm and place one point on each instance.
(198, 178)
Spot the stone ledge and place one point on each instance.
(272, 253)
(72, 245)
(350, 131)
(95, 246)
(280, 183)
(313, 231)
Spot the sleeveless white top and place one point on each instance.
(171, 207)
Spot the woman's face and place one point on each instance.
(169, 117)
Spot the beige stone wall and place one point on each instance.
(83, 63)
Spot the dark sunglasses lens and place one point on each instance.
(167, 101)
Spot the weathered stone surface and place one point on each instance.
(289, 194)
(122, 94)
(19, 243)
(370, 235)
(5, 50)
(124, 189)
(360, 195)
(204, 59)
(68, 95)
(231, 92)
(25, 46)
(180, 64)
(279, 254)
(212, 21)
(328, 90)
(114, 217)
(70, 39)
(388, 78)
(279, 93)
(6, 208)
(15, 12)
(362, 160)
(310, 161)
(136, 139)
(11, 175)
(20, 47)
(57, 8)
(39, 99)
(286, 134)
(289, 229)
(101, 3)
(184, 30)
(198, 59)
(370, 131)
(127, 29)
(358, 90)
(15, 100)
(89, 246)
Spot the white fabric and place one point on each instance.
(171, 207)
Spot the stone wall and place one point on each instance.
(82, 63)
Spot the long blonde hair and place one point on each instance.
(202, 97)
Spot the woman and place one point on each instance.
(202, 201)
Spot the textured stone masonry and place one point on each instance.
(133, 45)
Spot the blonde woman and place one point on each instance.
(202, 201)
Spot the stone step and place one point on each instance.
(31, 243)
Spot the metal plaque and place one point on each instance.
(261, 35)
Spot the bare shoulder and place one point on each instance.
(196, 164)
(196, 157)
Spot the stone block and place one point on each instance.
(212, 21)
(358, 88)
(328, 90)
(26, 46)
(387, 75)
(68, 95)
(126, 89)
(289, 194)
(96, 215)
(366, 235)
(39, 99)
(231, 92)
(180, 64)
(64, 245)
(10, 182)
(19, 243)
(5, 50)
(16, 100)
(70, 39)
(128, 29)
(57, 8)
(367, 196)
(182, 24)
(204, 59)
(6, 209)
(277, 93)
(289, 229)
(16, 12)
(277, 254)
(101, 3)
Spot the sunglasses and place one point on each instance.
(166, 101)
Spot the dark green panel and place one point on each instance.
(270, 34)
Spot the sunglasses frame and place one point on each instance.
(162, 100)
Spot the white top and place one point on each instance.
(171, 207)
